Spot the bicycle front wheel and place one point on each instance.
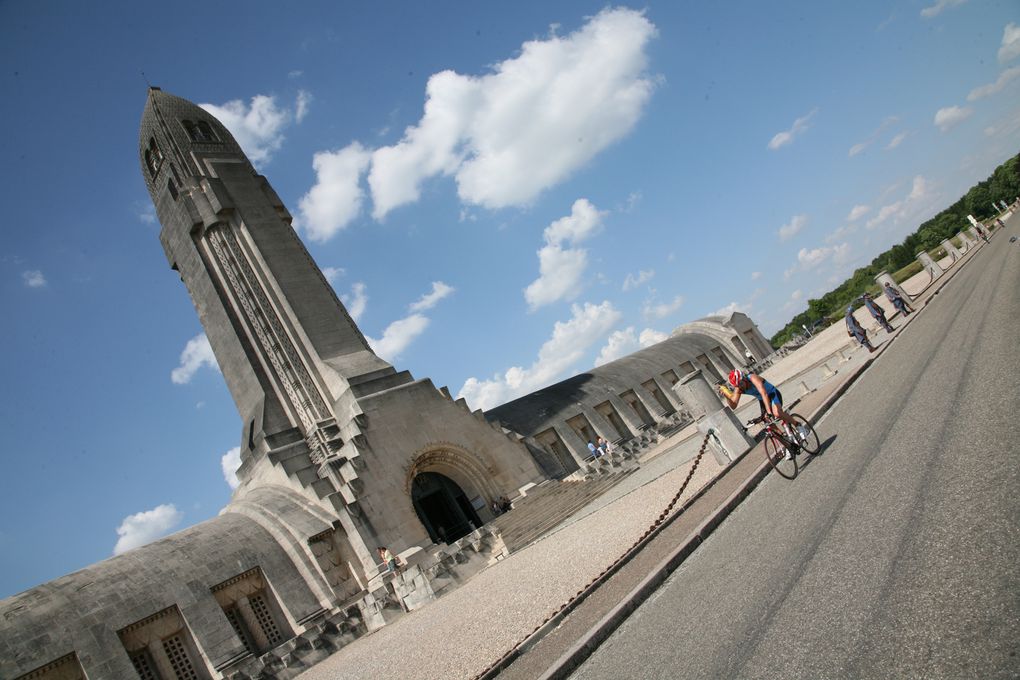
(809, 443)
(775, 452)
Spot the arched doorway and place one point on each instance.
(443, 507)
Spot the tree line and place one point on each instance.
(1003, 184)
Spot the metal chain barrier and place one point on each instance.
(498, 665)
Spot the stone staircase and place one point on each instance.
(547, 506)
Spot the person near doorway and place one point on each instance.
(601, 446)
(389, 559)
(592, 449)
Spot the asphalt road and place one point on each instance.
(895, 553)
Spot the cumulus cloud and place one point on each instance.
(337, 196)
(755, 276)
(258, 127)
(355, 301)
(841, 233)
(304, 99)
(197, 353)
(792, 228)
(429, 300)
(662, 310)
(1010, 48)
(857, 212)
(916, 201)
(333, 273)
(398, 335)
(993, 88)
(506, 136)
(561, 268)
(144, 527)
(33, 279)
(570, 339)
(799, 126)
(809, 259)
(229, 462)
(632, 282)
(939, 6)
(950, 116)
(618, 344)
(650, 336)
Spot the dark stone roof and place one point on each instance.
(527, 414)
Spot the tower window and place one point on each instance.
(153, 157)
(199, 131)
(171, 186)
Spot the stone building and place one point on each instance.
(341, 453)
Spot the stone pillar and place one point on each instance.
(161, 660)
(727, 439)
(251, 622)
(929, 265)
(951, 249)
(975, 236)
(884, 277)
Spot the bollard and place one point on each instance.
(884, 277)
(951, 249)
(728, 439)
(929, 265)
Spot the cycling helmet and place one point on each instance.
(736, 377)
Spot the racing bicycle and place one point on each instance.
(778, 442)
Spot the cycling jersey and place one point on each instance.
(775, 396)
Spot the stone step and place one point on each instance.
(540, 512)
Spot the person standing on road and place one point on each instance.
(877, 312)
(897, 300)
(856, 330)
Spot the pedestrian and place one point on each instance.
(591, 448)
(877, 312)
(601, 447)
(856, 330)
(898, 302)
(609, 447)
(388, 559)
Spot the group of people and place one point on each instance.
(600, 447)
(854, 328)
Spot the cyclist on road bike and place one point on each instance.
(770, 399)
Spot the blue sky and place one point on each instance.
(503, 193)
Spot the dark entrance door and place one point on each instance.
(443, 507)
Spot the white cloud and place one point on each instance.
(993, 88)
(936, 9)
(841, 253)
(336, 198)
(809, 259)
(304, 99)
(229, 462)
(793, 300)
(333, 273)
(873, 137)
(650, 336)
(197, 353)
(896, 141)
(792, 228)
(429, 300)
(730, 308)
(788, 274)
(841, 233)
(662, 310)
(356, 301)
(147, 214)
(33, 279)
(857, 212)
(755, 276)
(569, 341)
(145, 527)
(561, 269)
(257, 127)
(781, 139)
(632, 282)
(618, 344)
(948, 117)
(919, 198)
(398, 335)
(535, 119)
(1010, 48)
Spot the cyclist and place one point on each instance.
(770, 400)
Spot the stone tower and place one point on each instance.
(390, 460)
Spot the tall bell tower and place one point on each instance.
(388, 459)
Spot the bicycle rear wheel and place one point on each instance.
(810, 443)
(775, 452)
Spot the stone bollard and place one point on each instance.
(727, 439)
(975, 237)
(929, 265)
(951, 249)
(884, 277)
